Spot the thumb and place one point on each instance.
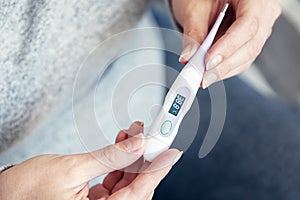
(153, 175)
(112, 157)
(195, 30)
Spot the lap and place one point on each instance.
(256, 156)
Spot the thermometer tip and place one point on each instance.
(225, 7)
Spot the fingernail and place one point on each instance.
(172, 159)
(214, 62)
(134, 143)
(209, 79)
(169, 158)
(139, 125)
(188, 52)
(178, 157)
(135, 128)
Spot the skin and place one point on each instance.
(242, 35)
(67, 176)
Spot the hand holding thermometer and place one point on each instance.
(179, 98)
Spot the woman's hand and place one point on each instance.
(242, 35)
(67, 176)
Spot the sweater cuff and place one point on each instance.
(5, 167)
(175, 24)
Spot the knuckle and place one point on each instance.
(108, 157)
(193, 36)
(191, 32)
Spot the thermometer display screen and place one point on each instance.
(177, 104)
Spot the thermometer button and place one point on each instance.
(166, 127)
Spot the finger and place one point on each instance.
(129, 175)
(195, 30)
(145, 166)
(125, 181)
(98, 191)
(122, 135)
(234, 72)
(114, 177)
(110, 158)
(135, 128)
(239, 70)
(246, 53)
(157, 170)
(239, 33)
(130, 172)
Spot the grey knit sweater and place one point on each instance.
(42, 45)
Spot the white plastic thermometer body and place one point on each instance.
(179, 99)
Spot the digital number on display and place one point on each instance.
(177, 104)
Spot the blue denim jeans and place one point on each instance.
(256, 157)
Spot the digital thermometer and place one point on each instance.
(179, 99)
